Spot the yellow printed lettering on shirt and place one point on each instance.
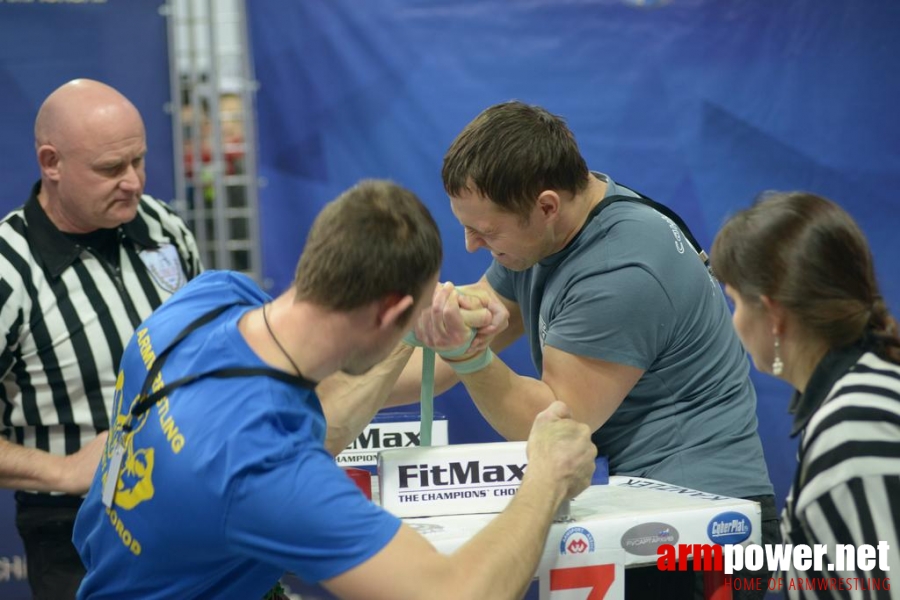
(166, 422)
(146, 347)
(127, 538)
(174, 437)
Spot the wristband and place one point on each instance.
(471, 365)
(459, 350)
(426, 397)
(411, 340)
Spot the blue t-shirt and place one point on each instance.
(630, 289)
(226, 483)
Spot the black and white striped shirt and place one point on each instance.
(66, 314)
(847, 488)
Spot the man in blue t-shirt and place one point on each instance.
(625, 323)
(219, 472)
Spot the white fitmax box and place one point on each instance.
(383, 434)
(458, 479)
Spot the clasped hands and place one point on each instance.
(460, 325)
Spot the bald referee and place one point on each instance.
(82, 263)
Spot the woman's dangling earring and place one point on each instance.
(777, 364)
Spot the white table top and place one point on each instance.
(630, 513)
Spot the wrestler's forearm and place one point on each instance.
(508, 401)
(350, 402)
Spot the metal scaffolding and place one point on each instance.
(212, 109)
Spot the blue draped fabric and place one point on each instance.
(697, 103)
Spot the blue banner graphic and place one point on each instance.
(697, 103)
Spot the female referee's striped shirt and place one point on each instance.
(66, 315)
(847, 488)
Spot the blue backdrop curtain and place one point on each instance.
(700, 104)
(43, 45)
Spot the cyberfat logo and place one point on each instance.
(375, 439)
(457, 473)
(729, 528)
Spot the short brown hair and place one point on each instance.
(807, 253)
(375, 239)
(512, 152)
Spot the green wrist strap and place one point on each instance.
(426, 397)
(459, 350)
(410, 339)
(476, 363)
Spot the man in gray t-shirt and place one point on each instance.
(626, 325)
(629, 289)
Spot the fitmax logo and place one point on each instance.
(456, 473)
(374, 438)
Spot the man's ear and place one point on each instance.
(548, 204)
(392, 310)
(775, 313)
(48, 159)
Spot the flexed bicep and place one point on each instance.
(592, 388)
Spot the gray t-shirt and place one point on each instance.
(630, 289)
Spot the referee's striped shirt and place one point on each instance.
(847, 488)
(66, 314)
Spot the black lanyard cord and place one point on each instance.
(660, 208)
(144, 402)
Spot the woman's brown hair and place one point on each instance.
(808, 254)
